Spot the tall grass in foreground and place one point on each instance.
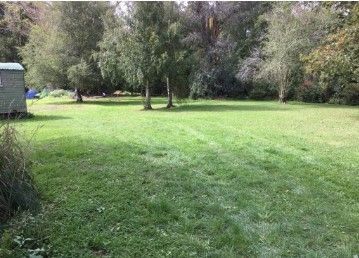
(17, 190)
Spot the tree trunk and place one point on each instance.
(78, 95)
(169, 93)
(147, 104)
(282, 95)
(283, 88)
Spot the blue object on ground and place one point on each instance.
(31, 94)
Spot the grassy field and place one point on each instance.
(208, 178)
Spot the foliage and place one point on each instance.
(136, 54)
(45, 92)
(79, 74)
(211, 51)
(108, 56)
(44, 58)
(247, 74)
(16, 20)
(262, 90)
(305, 25)
(310, 92)
(197, 49)
(174, 63)
(17, 191)
(81, 25)
(335, 62)
(219, 34)
(64, 43)
(59, 93)
(350, 94)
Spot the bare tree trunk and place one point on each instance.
(78, 95)
(147, 104)
(169, 93)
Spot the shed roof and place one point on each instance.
(11, 66)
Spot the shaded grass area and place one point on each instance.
(207, 178)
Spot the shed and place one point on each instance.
(12, 88)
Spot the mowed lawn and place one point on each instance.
(207, 178)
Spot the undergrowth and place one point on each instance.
(17, 190)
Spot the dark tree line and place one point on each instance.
(304, 51)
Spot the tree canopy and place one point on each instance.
(295, 50)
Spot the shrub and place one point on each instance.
(350, 94)
(310, 92)
(17, 191)
(262, 90)
(59, 93)
(44, 93)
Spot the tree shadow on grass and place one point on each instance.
(321, 105)
(222, 108)
(112, 102)
(37, 118)
(124, 176)
(101, 102)
(47, 117)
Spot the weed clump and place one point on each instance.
(60, 93)
(17, 190)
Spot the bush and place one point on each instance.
(350, 94)
(310, 93)
(59, 93)
(17, 191)
(263, 91)
(44, 93)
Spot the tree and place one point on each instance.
(335, 63)
(79, 75)
(109, 54)
(44, 58)
(134, 48)
(305, 26)
(64, 43)
(16, 20)
(81, 25)
(173, 52)
(219, 34)
(201, 34)
(146, 24)
(198, 49)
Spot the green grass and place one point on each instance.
(207, 178)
